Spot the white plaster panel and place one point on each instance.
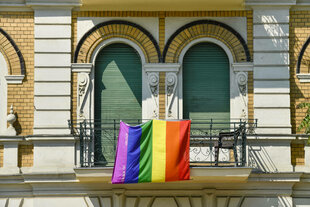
(47, 130)
(130, 201)
(271, 72)
(273, 130)
(271, 86)
(174, 23)
(183, 201)
(52, 31)
(49, 16)
(271, 15)
(271, 30)
(15, 202)
(272, 44)
(52, 102)
(271, 100)
(261, 58)
(52, 88)
(10, 155)
(52, 45)
(269, 157)
(51, 118)
(301, 202)
(261, 202)
(234, 201)
(59, 201)
(50, 60)
(272, 117)
(159, 202)
(86, 23)
(49, 74)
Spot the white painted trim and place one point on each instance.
(81, 67)
(14, 79)
(162, 67)
(242, 67)
(303, 77)
(234, 107)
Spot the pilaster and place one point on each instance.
(271, 69)
(52, 88)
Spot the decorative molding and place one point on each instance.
(83, 85)
(81, 67)
(153, 86)
(14, 79)
(171, 85)
(245, 67)
(303, 77)
(242, 79)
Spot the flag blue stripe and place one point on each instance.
(133, 155)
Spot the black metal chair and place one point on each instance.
(227, 140)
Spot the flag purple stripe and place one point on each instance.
(119, 170)
(133, 155)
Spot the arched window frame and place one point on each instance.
(86, 77)
(238, 89)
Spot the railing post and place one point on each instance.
(81, 145)
(243, 145)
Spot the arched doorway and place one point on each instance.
(118, 96)
(206, 83)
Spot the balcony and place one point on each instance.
(213, 143)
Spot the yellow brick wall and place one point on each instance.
(25, 155)
(297, 153)
(1, 155)
(19, 25)
(300, 92)
(161, 15)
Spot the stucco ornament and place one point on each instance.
(11, 118)
(171, 85)
(83, 84)
(242, 80)
(153, 83)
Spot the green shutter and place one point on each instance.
(118, 83)
(206, 91)
(118, 96)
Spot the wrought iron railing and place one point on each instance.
(98, 139)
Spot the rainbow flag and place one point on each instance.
(156, 151)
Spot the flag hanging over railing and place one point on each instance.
(155, 151)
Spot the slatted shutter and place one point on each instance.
(206, 91)
(118, 96)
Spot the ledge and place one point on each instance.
(304, 77)
(14, 79)
(198, 174)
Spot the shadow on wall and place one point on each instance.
(260, 160)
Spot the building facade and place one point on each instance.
(71, 69)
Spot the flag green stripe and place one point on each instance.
(145, 165)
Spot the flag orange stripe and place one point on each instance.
(184, 173)
(172, 150)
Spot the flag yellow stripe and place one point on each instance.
(159, 151)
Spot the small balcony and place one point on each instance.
(213, 143)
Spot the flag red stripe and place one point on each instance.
(184, 172)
